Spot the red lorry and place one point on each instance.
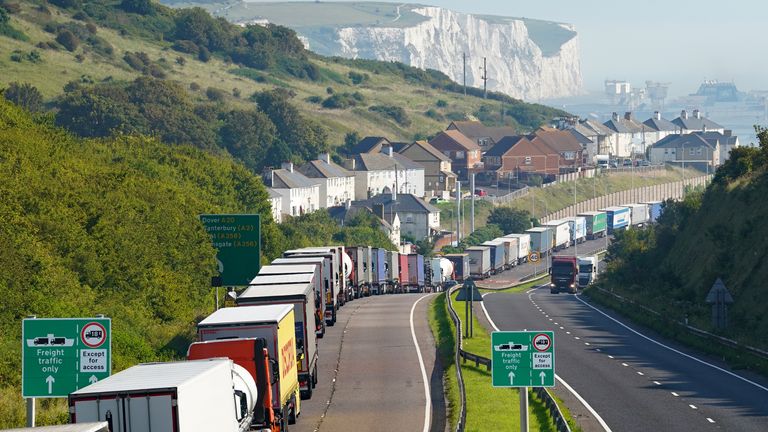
(565, 272)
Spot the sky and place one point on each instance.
(682, 42)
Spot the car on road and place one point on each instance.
(510, 347)
(480, 192)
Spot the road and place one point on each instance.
(509, 277)
(370, 375)
(632, 382)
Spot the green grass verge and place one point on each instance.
(488, 408)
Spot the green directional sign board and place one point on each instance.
(523, 359)
(237, 238)
(61, 355)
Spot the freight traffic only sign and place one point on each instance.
(237, 239)
(61, 355)
(523, 359)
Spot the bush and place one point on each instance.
(186, 46)
(343, 100)
(357, 78)
(215, 95)
(67, 4)
(441, 103)
(314, 99)
(433, 114)
(396, 113)
(204, 55)
(24, 95)
(68, 40)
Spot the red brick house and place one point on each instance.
(464, 153)
(563, 143)
(515, 155)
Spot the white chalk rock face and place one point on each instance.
(517, 65)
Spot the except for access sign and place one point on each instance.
(237, 239)
(61, 355)
(523, 359)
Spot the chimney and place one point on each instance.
(615, 116)
(378, 210)
(325, 157)
(684, 115)
(628, 115)
(288, 166)
(696, 114)
(657, 115)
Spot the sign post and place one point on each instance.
(61, 355)
(523, 359)
(237, 239)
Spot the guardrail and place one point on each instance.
(479, 360)
(691, 329)
(554, 410)
(461, 424)
(496, 200)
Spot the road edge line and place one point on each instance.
(562, 381)
(427, 394)
(746, 380)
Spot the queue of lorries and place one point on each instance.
(253, 363)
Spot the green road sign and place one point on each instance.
(61, 355)
(237, 238)
(523, 359)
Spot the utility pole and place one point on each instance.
(472, 207)
(458, 212)
(485, 79)
(464, 57)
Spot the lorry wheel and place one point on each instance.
(314, 377)
(292, 410)
(333, 320)
(553, 291)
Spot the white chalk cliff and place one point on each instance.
(516, 64)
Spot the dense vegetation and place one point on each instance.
(719, 232)
(110, 226)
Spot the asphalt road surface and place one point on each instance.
(631, 381)
(370, 375)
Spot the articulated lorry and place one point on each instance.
(542, 239)
(498, 255)
(578, 228)
(561, 232)
(654, 210)
(564, 272)
(392, 264)
(330, 300)
(639, 214)
(523, 246)
(203, 395)
(337, 270)
(301, 297)
(460, 264)
(275, 324)
(618, 218)
(378, 271)
(361, 269)
(415, 273)
(597, 224)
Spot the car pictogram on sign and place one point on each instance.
(542, 342)
(510, 347)
(93, 335)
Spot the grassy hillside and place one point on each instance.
(101, 57)
(718, 233)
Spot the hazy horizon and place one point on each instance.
(683, 43)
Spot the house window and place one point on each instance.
(409, 218)
(666, 151)
(527, 160)
(569, 155)
(698, 151)
(459, 155)
(691, 151)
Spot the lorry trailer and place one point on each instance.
(498, 255)
(393, 271)
(318, 291)
(542, 240)
(639, 214)
(654, 210)
(460, 264)
(561, 231)
(618, 218)
(378, 271)
(597, 224)
(301, 297)
(330, 288)
(511, 251)
(523, 246)
(403, 267)
(479, 261)
(415, 273)
(578, 228)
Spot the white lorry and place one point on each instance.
(587, 270)
(200, 395)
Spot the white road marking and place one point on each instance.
(557, 377)
(624, 364)
(576, 337)
(693, 406)
(710, 420)
(640, 373)
(657, 383)
(586, 343)
(610, 356)
(567, 332)
(675, 394)
(674, 350)
(428, 405)
(562, 328)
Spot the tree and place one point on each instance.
(24, 95)
(247, 135)
(141, 7)
(510, 220)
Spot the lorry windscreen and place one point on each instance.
(562, 269)
(585, 268)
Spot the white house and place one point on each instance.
(377, 173)
(628, 134)
(417, 217)
(276, 203)
(703, 150)
(337, 185)
(300, 194)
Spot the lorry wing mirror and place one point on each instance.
(243, 404)
(275, 371)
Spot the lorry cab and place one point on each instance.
(587, 271)
(564, 272)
